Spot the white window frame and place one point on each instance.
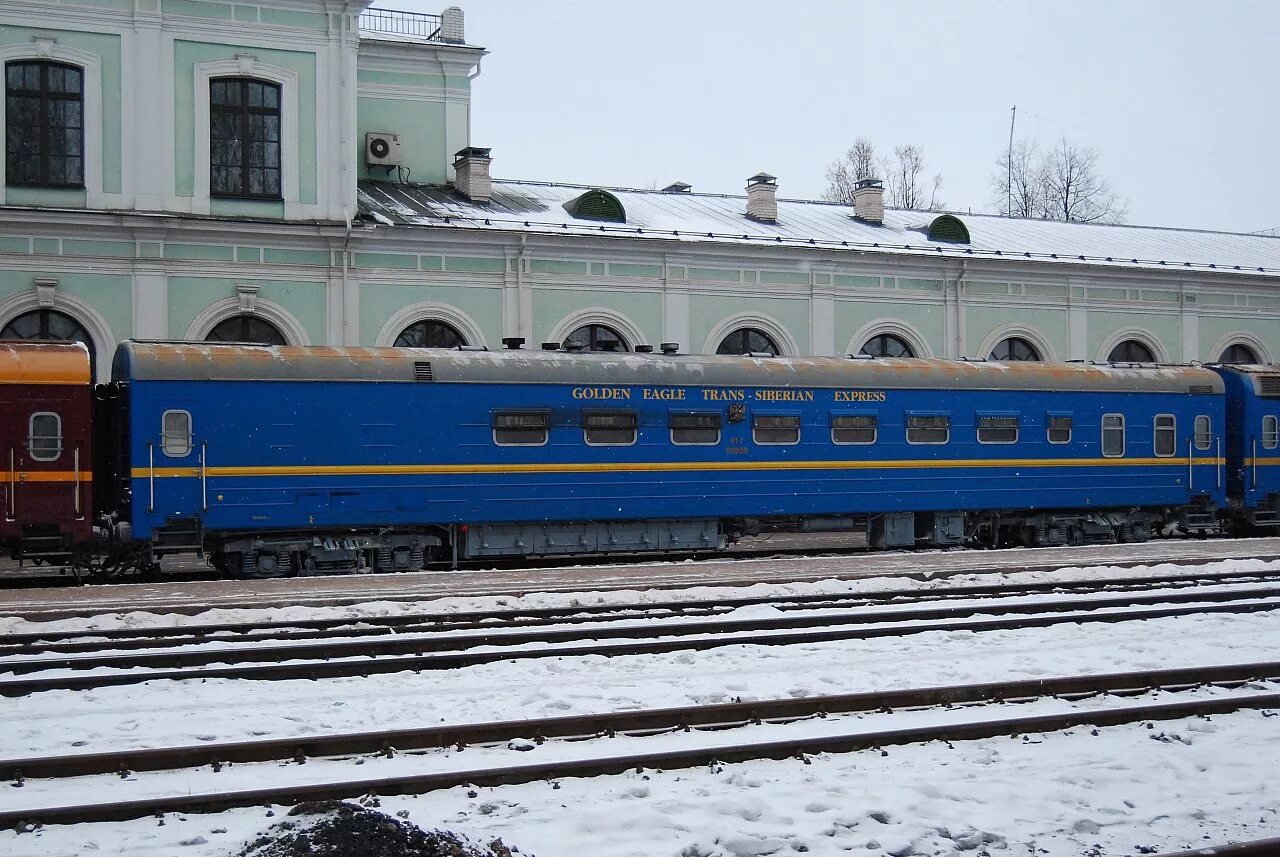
(907, 429)
(1207, 434)
(673, 429)
(1271, 436)
(875, 430)
(635, 429)
(1124, 437)
(1155, 434)
(31, 436)
(165, 435)
(1017, 429)
(546, 430)
(1048, 427)
(290, 138)
(799, 428)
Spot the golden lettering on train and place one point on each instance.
(861, 396)
(665, 394)
(601, 393)
(724, 395)
(784, 395)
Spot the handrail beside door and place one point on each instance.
(11, 512)
(204, 476)
(151, 466)
(76, 486)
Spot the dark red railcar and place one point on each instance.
(46, 403)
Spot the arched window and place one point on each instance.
(1238, 354)
(748, 340)
(1131, 351)
(44, 124)
(246, 328)
(1014, 348)
(887, 345)
(49, 325)
(596, 337)
(430, 333)
(244, 138)
(597, 204)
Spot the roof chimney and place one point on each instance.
(868, 200)
(471, 173)
(762, 197)
(678, 187)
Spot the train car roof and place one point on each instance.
(172, 361)
(23, 362)
(1263, 378)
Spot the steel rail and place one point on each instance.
(404, 644)
(442, 658)
(1251, 848)
(218, 801)
(723, 715)
(136, 638)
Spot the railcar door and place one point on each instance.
(175, 466)
(45, 462)
(9, 446)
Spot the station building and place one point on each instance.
(302, 172)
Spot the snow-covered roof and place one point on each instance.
(539, 207)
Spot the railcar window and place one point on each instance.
(997, 429)
(775, 429)
(1203, 432)
(44, 436)
(854, 428)
(175, 433)
(609, 428)
(695, 429)
(1166, 435)
(1059, 429)
(928, 429)
(520, 428)
(1113, 435)
(1270, 432)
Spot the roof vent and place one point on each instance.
(644, 349)
(948, 227)
(422, 370)
(513, 343)
(551, 346)
(471, 173)
(1269, 386)
(678, 187)
(597, 204)
(762, 198)
(669, 347)
(868, 200)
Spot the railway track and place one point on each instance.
(75, 642)
(710, 719)
(403, 652)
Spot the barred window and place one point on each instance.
(928, 429)
(775, 429)
(1113, 435)
(997, 429)
(695, 429)
(244, 138)
(1059, 429)
(175, 433)
(521, 428)
(854, 428)
(1270, 432)
(609, 428)
(1203, 432)
(1166, 435)
(44, 436)
(44, 124)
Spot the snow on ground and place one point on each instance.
(1063, 793)
(142, 619)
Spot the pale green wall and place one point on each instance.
(1212, 328)
(107, 48)
(185, 57)
(982, 320)
(706, 312)
(420, 125)
(110, 294)
(927, 319)
(1104, 323)
(379, 302)
(188, 296)
(551, 306)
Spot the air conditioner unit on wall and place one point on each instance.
(382, 149)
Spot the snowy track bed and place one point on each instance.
(715, 817)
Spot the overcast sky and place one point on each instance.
(1178, 97)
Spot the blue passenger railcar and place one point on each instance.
(287, 459)
(1253, 442)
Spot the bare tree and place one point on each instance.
(857, 164)
(905, 180)
(1017, 185)
(1073, 189)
